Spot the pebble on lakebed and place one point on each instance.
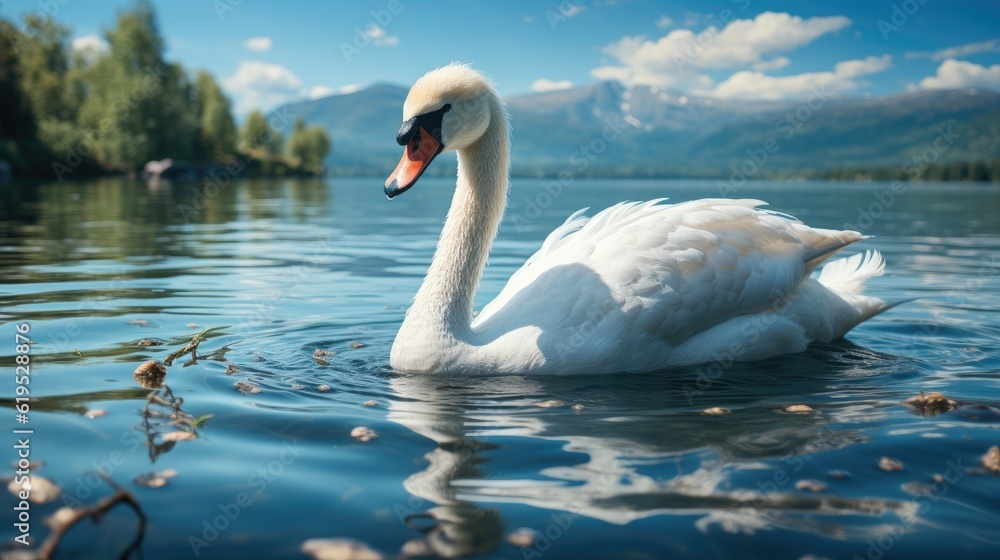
(552, 403)
(150, 374)
(930, 404)
(149, 342)
(889, 464)
(363, 434)
(715, 411)
(357, 345)
(247, 388)
(340, 549)
(370, 403)
(992, 459)
(155, 479)
(811, 485)
(96, 413)
(42, 489)
(798, 408)
(179, 435)
(522, 538)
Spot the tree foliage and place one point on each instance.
(118, 108)
(258, 136)
(216, 129)
(309, 145)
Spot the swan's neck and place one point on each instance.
(443, 305)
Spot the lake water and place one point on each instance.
(289, 267)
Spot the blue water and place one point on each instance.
(288, 267)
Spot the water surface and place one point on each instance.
(635, 471)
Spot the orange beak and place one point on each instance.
(417, 155)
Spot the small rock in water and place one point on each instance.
(917, 488)
(838, 474)
(552, 403)
(992, 459)
(340, 549)
(247, 388)
(320, 353)
(149, 342)
(930, 404)
(798, 408)
(179, 435)
(96, 413)
(938, 478)
(323, 388)
(193, 326)
(150, 374)
(811, 485)
(715, 411)
(296, 386)
(522, 538)
(417, 548)
(370, 403)
(357, 345)
(231, 368)
(889, 464)
(363, 434)
(155, 479)
(139, 322)
(577, 407)
(61, 517)
(41, 489)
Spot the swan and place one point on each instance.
(638, 287)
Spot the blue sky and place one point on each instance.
(267, 53)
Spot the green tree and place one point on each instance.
(216, 129)
(138, 106)
(257, 136)
(309, 145)
(16, 119)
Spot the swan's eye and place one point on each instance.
(447, 107)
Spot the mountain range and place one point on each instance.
(606, 128)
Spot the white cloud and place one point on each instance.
(317, 92)
(349, 88)
(89, 44)
(543, 84)
(664, 21)
(756, 85)
(959, 74)
(691, 19)
(258, 44)
(993, 45)
(773, 64)
(674, 59)
(379, 37)
(259, 85)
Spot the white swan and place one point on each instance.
(637, 287)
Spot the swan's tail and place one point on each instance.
(847, 277)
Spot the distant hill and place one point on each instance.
(608, 129)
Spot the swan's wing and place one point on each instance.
(675, 270)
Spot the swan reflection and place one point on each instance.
(636, 449)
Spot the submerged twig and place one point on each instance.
(96, 511)
(153, 419)
(191, 347)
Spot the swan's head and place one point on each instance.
(447, 109)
